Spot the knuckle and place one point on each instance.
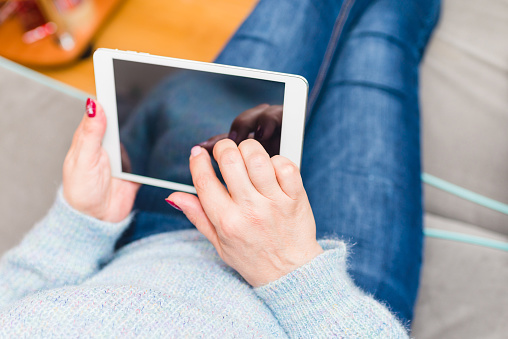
(287, 168)
(201, 182)
(88, 129)
(229, 225)
(257, 160)
(228, 230)
(255, 221)
(76, 136)
(229, 156)
(228, 219)
(69, 161)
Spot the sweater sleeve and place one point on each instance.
(64, 248)
(319, 300)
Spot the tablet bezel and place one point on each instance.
(293, 118)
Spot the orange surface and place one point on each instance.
(47, 52)
(189, 29)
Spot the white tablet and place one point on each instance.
(158, 108)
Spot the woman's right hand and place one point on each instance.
(262, 123)
(87, 183)
(261, 224)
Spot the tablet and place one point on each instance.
(158, 108)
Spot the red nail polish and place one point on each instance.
(90, 108)
(175, 206)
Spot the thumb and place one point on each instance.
(93, 127)
(190, 205)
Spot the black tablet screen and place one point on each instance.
(164, 111)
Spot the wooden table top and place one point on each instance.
(47, 52)
(187, 29)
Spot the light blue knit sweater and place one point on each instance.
(64, 280)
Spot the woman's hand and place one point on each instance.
(87, 183)
(262, 225)
(262, 123)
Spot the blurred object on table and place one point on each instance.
(7, 8)
(195, 30)
(30, 14)
(41, 33)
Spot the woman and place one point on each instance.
(257, 269)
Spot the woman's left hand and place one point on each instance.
(87, 183)
(261, 225)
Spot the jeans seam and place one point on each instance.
(330, 52)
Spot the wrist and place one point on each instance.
(79, 206)
(297, 260)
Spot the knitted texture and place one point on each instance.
(65, 280)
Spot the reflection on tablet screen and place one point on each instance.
(164, 111)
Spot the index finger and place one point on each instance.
(211, 192)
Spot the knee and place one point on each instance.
(405, 23)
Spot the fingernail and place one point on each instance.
(259, 132)
(195, 150)
(232, 135)
(90, 108)
(175, 206)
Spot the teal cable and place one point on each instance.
(464, 193)
(465, 238)
(470, 196)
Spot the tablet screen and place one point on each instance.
(164, 111)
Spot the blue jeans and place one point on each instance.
(361, 157)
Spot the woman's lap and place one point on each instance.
(361, 158)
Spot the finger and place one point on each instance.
(91, 130)
(245, 123)
(211, 192)
(269, 123)
(210, 143)
(191, 207)
(233, 170)
(288, 177)
(259, 168)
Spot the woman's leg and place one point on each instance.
(291, 36)
(361, 161)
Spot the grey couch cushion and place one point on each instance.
(464, 94)
(36, 127)
(464, 287)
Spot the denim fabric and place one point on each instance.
(361, 157)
